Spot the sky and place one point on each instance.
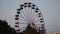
(49, 8)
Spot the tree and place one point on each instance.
(5, 28)
(29, 30)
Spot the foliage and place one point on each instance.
(5, 28)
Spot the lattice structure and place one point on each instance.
(29, 13)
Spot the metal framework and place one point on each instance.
(29, 13)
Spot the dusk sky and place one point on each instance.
(49, 8)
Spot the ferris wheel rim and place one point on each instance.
(35, 9)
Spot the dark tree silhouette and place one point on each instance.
(29, 30)
(5, 28)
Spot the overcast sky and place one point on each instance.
(49, 8)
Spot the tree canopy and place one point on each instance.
(5, 28)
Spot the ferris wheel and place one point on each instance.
(28, 13)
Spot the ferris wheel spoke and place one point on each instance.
(32, 10)
(35, 18)
(24, 18)
(31, 15)
(27, 15)
(24, 14)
